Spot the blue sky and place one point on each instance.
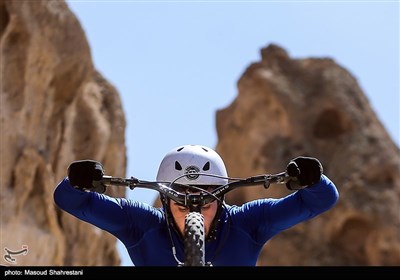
(175, 63)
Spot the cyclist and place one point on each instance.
(235, 235)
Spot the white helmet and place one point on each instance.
(191, 159)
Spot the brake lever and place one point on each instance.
(280, 178)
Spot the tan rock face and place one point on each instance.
(290, 107)
(55, 108)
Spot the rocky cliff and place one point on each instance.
(288, 107)
(55, 108)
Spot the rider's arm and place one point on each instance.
(264, 218)
(302, 205)
(126, 219)
(98, 209)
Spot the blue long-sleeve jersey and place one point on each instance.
(241, 234)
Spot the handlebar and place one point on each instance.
(198, 197)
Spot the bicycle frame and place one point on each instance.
(194, 231)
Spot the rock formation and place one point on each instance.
(288, 107)
(55, 108)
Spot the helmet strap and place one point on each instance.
(168, 217)
(212, 234)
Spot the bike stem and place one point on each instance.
(194, 202)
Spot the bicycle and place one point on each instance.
(194, 231)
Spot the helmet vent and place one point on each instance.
(206, 166)
(178, 166)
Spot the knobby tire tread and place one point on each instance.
(194, 239)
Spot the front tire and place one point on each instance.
(194, 237)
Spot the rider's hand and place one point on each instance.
(86, 175)
(305, 171)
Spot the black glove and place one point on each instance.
(86, 175)
(305, 171)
